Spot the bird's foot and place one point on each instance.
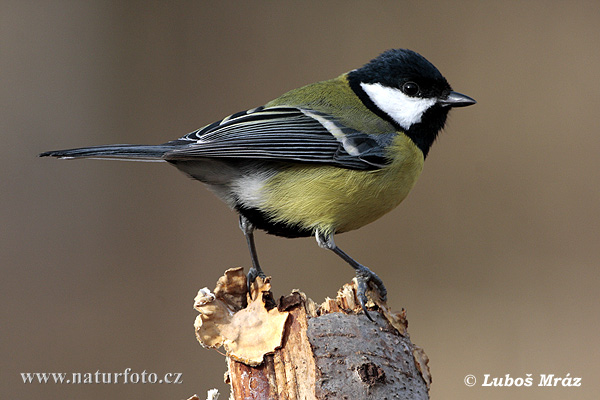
(364, 277)
(251, 277)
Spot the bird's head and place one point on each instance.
(402, 87)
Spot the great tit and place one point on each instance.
(322, 159)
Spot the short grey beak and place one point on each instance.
(456, 99)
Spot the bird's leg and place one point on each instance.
(364, 275)
(248, 229)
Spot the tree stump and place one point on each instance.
(295, 349)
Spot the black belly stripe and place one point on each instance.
(260, 221)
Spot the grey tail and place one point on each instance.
(114, 152)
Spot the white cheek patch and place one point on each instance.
(405, 110)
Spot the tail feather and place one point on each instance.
(114, 152)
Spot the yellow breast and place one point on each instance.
(339, 200)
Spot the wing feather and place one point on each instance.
(284, 134)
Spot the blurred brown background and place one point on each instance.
(494, 254)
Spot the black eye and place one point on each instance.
(410, 89)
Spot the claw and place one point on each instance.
(361, 294)
(364, 276)
(373, 278)
(251, 277)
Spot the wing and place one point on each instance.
(284, 134)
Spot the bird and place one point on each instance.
(320, 160)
